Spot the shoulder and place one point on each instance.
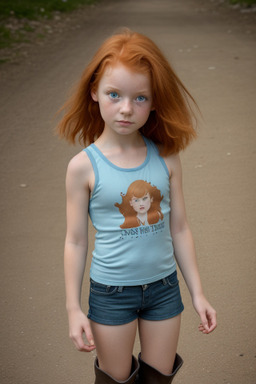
(172, 162)
(79, 164)
(79, 170)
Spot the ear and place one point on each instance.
(94, 95)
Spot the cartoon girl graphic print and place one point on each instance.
(140, 205)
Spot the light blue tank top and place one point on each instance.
(130, 210)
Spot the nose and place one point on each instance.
(126, 107)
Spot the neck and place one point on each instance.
(142, 217)
(125, 151)
(109, 140)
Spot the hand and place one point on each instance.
(207, 314)
(79, 326)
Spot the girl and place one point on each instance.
(134, 112)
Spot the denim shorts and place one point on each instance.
(117, 305)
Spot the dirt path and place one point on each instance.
(213, 51)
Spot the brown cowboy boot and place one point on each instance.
(102, 377)
(150, 375)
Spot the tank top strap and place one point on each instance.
(91, 154)
(154, 148)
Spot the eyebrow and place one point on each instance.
(146, 92)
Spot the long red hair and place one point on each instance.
(140, 188)
(170, 124)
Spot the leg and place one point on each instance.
(114, 346)
(159, 340)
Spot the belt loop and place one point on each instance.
(164, 281)
(120, 289)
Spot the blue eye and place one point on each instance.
(141, 98)
(113, 95)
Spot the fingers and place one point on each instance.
(212, 321)
(207, 314)
(89, 337)
(208, 321)
(80, 333)
(203, 327)
(80, 344)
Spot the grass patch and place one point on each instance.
(248, 3)
(5, 37)
(3, 61)
(28, 28)
(9, 37)
(35, 9)
(19, 19)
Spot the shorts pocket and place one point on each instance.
(101, 289)
(172, 280)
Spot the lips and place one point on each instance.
(124, 122)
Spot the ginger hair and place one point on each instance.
(170, 125)
(140, 188)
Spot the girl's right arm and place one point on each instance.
(76, 243)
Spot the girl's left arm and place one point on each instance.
(184, 247)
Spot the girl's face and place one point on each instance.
(124, 98)
(141, 204)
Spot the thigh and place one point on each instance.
(114, 346)
(159, 341)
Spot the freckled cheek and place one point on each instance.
(107, 109)
(143, 114)
(105, 103)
